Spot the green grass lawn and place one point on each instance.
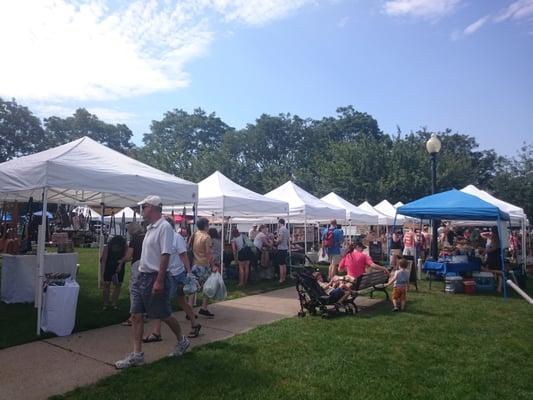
(18, 321)
(442, 347)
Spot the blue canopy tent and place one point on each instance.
(457, 205)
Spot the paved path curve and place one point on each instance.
(53, 366)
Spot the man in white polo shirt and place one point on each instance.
(150, 290)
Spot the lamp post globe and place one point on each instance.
(433, 146)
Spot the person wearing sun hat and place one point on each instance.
(150, 290)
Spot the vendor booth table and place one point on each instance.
(443, 268)
(19, 273)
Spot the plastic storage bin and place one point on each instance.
(454, 284)
(485, 281)
(469, 286)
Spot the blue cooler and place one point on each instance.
(485, 281)
(454, 284)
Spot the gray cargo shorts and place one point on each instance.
(144, 301)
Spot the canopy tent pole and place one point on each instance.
(388, 258)
(504, 278)
(101, 240)
(317, 234)
(393, 229)
(524, 246)
(350, 232)
(40, 251)
(222, 241)
(290, 245)
(305, 239)
(419, 270)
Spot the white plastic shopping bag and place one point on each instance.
(211, 285)
(190, 285)
(221, 290)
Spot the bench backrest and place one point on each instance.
(370, 280)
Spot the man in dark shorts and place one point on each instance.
(150, 290)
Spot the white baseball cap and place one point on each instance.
(152, 200)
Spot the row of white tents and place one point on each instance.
(86, 173)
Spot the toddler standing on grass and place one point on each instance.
(400, 279)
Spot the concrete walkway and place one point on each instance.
(54, 366)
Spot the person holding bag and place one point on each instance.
(201, 245)
(242, 254)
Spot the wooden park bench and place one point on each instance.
(369, 283)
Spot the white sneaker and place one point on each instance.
(181, 347)
(131, 360)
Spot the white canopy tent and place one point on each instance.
(382, 218)
(122, 217)
(387, 209)
(517, 214)
(398, 204)
(128, 213)
(354, 214)
(85, 211)
(86, 172)
(221, 197)
(304, 207)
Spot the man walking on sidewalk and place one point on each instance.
(150, 290)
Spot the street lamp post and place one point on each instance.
(433, 146)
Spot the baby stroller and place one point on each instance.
(312, 297)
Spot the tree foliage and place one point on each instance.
(347, 153)
(21, 132)
(82, 123)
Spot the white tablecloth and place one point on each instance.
(20, 272)
(59, 308)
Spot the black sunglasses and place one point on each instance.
(145, 205)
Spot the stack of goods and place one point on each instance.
(55, 279)
(64, 245)
(454, 284)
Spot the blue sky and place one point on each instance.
(464, 65)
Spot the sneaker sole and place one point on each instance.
(171, 355)
(129, 366)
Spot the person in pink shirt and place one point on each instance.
(355, 262)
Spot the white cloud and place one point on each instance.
(475, 26)
(516, 11)
(520, 9)
(343, 22)
(60, 50)
(427, 9)
(109, 115)
(258, 12)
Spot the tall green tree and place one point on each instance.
(83, 123)
(186, 145)
(21, 133)
(514, 181)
